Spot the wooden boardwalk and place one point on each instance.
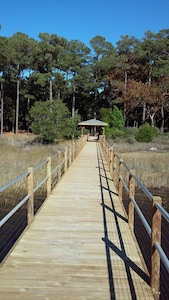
(79, 245)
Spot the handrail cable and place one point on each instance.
(41, 164)
(144, 189)
(40, 184)
(4, 187)
(142, 218)
(162, 255)
(163, 211)
(11, 213)
(126, 167)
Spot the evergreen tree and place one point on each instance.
(49, 120)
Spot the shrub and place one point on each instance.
(71, 130)
(130, 131)
(145, 133)
(116, 118)
(49, 120)
(114, 132)
(131, 139)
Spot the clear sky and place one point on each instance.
(84, 19)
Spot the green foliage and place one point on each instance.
(130, 140)
(114, 132)
(130, 133)
(96, 78)
(71, 130)
(104, 114)
(49, 120)
(146, 133)
(116, 118)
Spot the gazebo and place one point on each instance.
(93, 125)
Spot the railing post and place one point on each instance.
(81, 143)
(120, 184)
(114, 171)
(111, 162)
(73, 150)
(109, 157)
(30, 202)
(59, 166)
(70, 154)
(65, 159)
(49, 176)
(155, 257)
(107, 154)
(77, 147)
(131, 205)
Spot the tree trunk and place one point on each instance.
(73, 102)
(17, 101)
(59, 94)
(162, 117)
(2, 108)
(125, 92)
(28, 104)
(152, 119)
(125, 83)
(17, 108)
(149, 75)
(144, 112)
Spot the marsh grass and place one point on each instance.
(149, 160)
(151, 168)
(19, 153)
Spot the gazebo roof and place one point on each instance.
(93, 122)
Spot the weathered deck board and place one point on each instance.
(79, 245)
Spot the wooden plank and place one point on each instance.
(79, 245)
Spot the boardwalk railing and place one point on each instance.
(44, 177)
(117, 169)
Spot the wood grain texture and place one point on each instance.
(79, 245)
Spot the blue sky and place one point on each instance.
(84, 19)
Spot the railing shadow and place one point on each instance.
(109, 244)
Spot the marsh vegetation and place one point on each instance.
(149, 160)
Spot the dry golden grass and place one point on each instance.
(152, 168)
(149, 160)
(20, 152)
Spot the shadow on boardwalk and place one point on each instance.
(79, 245)
(111, 215)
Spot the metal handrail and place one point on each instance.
(164, 213)
(163, 256)
(25, 174)
(6, 186)
(150, 231)
(41, 164)
(142, 186)
(126, 167)
(40, 184)
(13, 211)
(124, 184)
(142, 217)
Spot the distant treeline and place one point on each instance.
(134, 76)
